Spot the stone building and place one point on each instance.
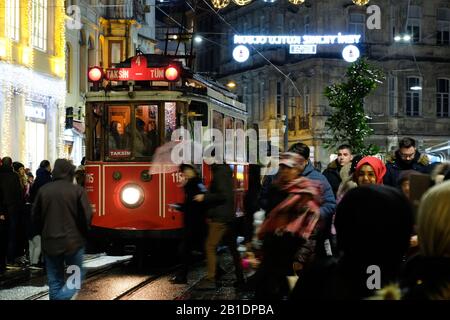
(283, 89)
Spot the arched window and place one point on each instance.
(83, 62)
(442, 98)
(413, 96)
(100, 51)
(91, 52)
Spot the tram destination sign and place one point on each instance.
(137, 72)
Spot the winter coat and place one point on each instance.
(220, 198)
(425, 278)
(332, 173)
(328, 200)
(328, 206)
(10, 190)
(43, 176)
(193, 210)
(394, 165)
(289, 233)
(63, 212)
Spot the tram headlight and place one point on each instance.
(132, 196)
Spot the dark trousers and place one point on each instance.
(184, 252)
(13, 222)
(3, 243)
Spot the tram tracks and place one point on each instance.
(91, 274)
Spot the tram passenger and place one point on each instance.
(116, 139)
(152, 137)
(141, 141)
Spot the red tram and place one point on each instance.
(141, 102)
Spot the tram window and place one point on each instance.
(218, 124)
(170, 118)
(146, 134)
(199, 112)
(229, 139)
(119, 142)
(240, 141)
(96, 135)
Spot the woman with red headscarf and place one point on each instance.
(370, 170)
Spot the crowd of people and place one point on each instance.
(362, 229)
(40, 224)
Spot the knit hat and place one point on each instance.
(17, 166)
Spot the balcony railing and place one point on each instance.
(125, 9)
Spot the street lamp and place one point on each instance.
(231, 84)
(404, 38)
(361, 2)
(198, 39)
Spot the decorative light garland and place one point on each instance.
(242, 2)
(296, 1)
(60, 71)
(6, 147)
(220, 4)
(361, 2)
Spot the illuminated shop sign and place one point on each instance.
(277, 40)
(306, 44)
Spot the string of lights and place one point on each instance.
(221, 4)
(286, 76)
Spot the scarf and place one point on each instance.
(298, 213)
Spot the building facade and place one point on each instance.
(288, 90)
(99, 33)
(32, 88)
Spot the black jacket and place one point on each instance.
(42, 177)
(395, 165)
(63, 212)
(426, 278)
(193, 210)
(11, 191)
(220, 198)
(332, 173)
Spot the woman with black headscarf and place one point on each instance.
(373, 225)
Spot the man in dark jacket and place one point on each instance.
(333, 170)
(219, 202)
(12, 199)
(405, 158)
(194, 225)
(64, 214)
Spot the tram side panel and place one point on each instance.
(153, 215)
